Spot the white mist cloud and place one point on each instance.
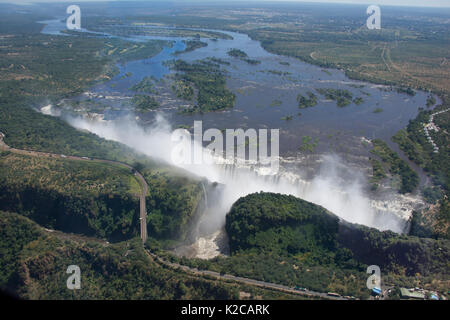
(336, 187)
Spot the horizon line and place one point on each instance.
(334, 2)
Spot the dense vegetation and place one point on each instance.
(183, 90)
(358, 101)
(192, 45)
(377, 110)
(34, 262)
(218, 61)
(304, 102)
(252, 61)
(408, 91)
(309, 144)
(98, 199)
(172, 203)
(271, 223)
(144, 103)
(283, 239)
(27, 129)
(275, 228)
(431, 101)
(414, 143)
(395, 165)
(378, 173)
(237, 53)
(342, 97)
(69, 195)
(210, 83)
(146, 85)
(434, 221)
(122, 51)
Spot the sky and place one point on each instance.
(420, 3)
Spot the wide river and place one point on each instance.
(332, 175)
(267, 92)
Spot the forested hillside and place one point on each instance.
(34, 263)
(271, 234)
(73, 196)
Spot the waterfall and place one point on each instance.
(205, 195)
(334, 184)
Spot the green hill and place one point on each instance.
(284, 239)
(282, 224)
(34, 263)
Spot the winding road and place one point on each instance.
(143, 231)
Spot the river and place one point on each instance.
(333, 175)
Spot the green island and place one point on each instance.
(342, 97)
(276, 103)
(377, 110)
(123, 51)
(208, 80)
(146, 85)
(192, 45)
(237, 53)
(218, 61)
(143, 103)
(287, 118)
(304, 102)
(309, 144)
(278, 73)
(252, 61)
(358, 101)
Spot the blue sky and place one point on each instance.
(428, 3)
